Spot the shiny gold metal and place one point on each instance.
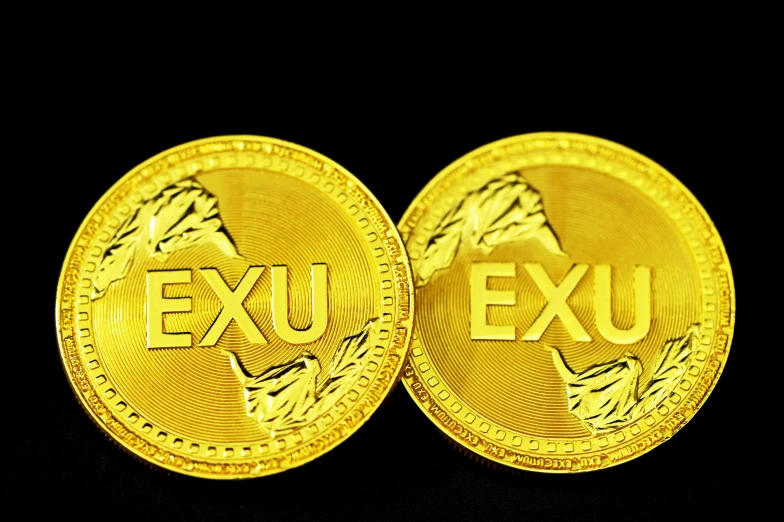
(575, 304)
(234, 307)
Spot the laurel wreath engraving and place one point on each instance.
(605, 397)
(182, 215)
(287, 397)
(504, 210)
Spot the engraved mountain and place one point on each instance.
(605, 397)
(182, 215)
(287, 397)
(504, 210)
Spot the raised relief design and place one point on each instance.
(182, 215)
(504, 210)
(287, 397)
(605, 397)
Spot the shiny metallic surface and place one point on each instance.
(575, 304)
(234, 307)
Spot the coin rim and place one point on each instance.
(446, 171)
(394, 380)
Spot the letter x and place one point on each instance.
(556, 302)
(232, 306)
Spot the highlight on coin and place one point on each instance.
(234, 307)
(575, 304)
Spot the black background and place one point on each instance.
(398, 466)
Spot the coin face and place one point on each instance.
(234, 307)
(575, 304)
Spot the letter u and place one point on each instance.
(280, 305)
(603, 305)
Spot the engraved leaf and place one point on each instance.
(347, 364)
(286, 397)
(671, 364)
(349, 359)
(605, 397)
(503, 210)
(118, 256)
(225, 244)
(508, 209)
(184, 215)
(443, 244)
(280, 398)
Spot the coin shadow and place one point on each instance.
(397, 455)
(397, 466)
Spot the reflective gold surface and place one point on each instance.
(575, 304)
(234, 307)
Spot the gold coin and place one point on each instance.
(234, 307)
(575, 304)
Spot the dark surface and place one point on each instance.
(397, 466)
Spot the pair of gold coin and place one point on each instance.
(237, 306)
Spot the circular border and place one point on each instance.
(560, 455)
(147, 448)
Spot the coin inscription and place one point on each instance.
(575, 303)
(234, 307)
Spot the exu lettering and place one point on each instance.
(233, 309)
(556, 296)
